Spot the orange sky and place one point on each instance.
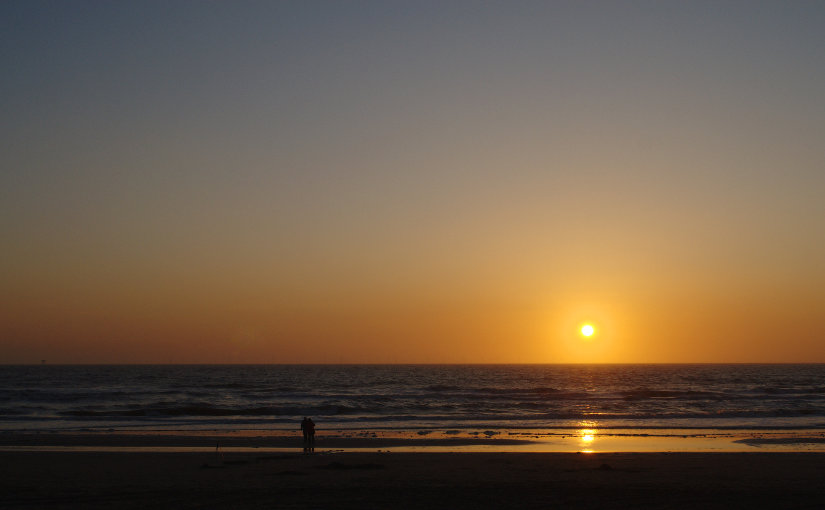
(320, 183)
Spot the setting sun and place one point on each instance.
(587, 330)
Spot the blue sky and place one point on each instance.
(170, 161)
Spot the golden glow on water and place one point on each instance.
(587, 437)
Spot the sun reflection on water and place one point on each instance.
(587, 437)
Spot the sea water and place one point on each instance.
(258, 397)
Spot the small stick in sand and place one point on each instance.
(218, 452)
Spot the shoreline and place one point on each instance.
(560, 441)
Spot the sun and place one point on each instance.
(588, 330)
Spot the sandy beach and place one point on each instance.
(411, 480)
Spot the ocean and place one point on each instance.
(407, 397)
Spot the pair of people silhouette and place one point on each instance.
(308, 428)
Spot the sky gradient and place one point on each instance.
(416, 182)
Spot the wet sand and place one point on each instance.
(411, 480)
(512, 441)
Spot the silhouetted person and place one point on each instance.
(305, 430)
(311, 432)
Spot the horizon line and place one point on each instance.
(430, 364)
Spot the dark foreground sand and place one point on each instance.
(412, 480)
